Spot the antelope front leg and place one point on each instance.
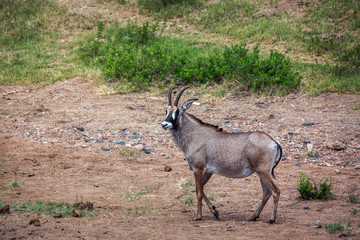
(199, 180)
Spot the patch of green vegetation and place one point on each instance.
(138, 211)
(13, 184)
(308, 190)
(129, 153)
(354, 211)
(140, 57)
(139, 194)
(338, 225)
(48, 208)
(353, 197)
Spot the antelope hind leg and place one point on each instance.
(266, 196)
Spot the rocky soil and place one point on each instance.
(71, 142)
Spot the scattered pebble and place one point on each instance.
(317, 224)
(76, 213)
(80, 128)
(136, 136)
(58, 215)
(357, 167)
(35, 222)
(147, 150)
(105, 149)
(236, 131)
(336, 146)
(272, 116)
(5, 209)
(168, 168)
(87, 205)
(308, 124)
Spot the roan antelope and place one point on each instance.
(209, 150)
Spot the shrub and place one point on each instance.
(308, 190)
(139, 56)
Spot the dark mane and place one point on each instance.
(200, 122)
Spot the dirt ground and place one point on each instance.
(41, 147)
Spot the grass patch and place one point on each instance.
(129, 153)
(48, 208)
(138, 211)
(13, 184)
(309, 191)
(353, 196)
(338, 225)
(139, 194)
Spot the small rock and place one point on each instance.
(309, 147)
(256, 119)
(124, 128)
(100, 129)
(87, 205)
(306, 208)
(136, 136)
(76, 213)
(80, 128)
(122, 143)
(337, 171)
(262, 105)
(357, 167)
(168, 168)
(5, 209)
(272, 116)
(317, 224)
(308, 124)
(105, 149)
(236, 131)
(35, 222)
(336, 146)
(147, 150)
(345, 163)
(57, 215)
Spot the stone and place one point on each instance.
(357, 167)
(309, 147)
(35, 222)
(80, 128)
(308, 124)
(147, 150)
(236, 131)
(167, 168)
(272, 116)
(76, 213)
(336, 146)
(105, 149)
(5, 209)
(58, 215)
(317, 224)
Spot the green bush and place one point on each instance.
(140, 56)
(308, 190)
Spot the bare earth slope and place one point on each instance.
(40, 146)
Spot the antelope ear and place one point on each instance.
(188, 104)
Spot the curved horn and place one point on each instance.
(171, 96)
(179, 95)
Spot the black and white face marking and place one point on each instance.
(170, 118)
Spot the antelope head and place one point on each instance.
(173, 111)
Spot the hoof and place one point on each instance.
(253, 219)
(197, 218)
(272, 221)
(215, 212)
